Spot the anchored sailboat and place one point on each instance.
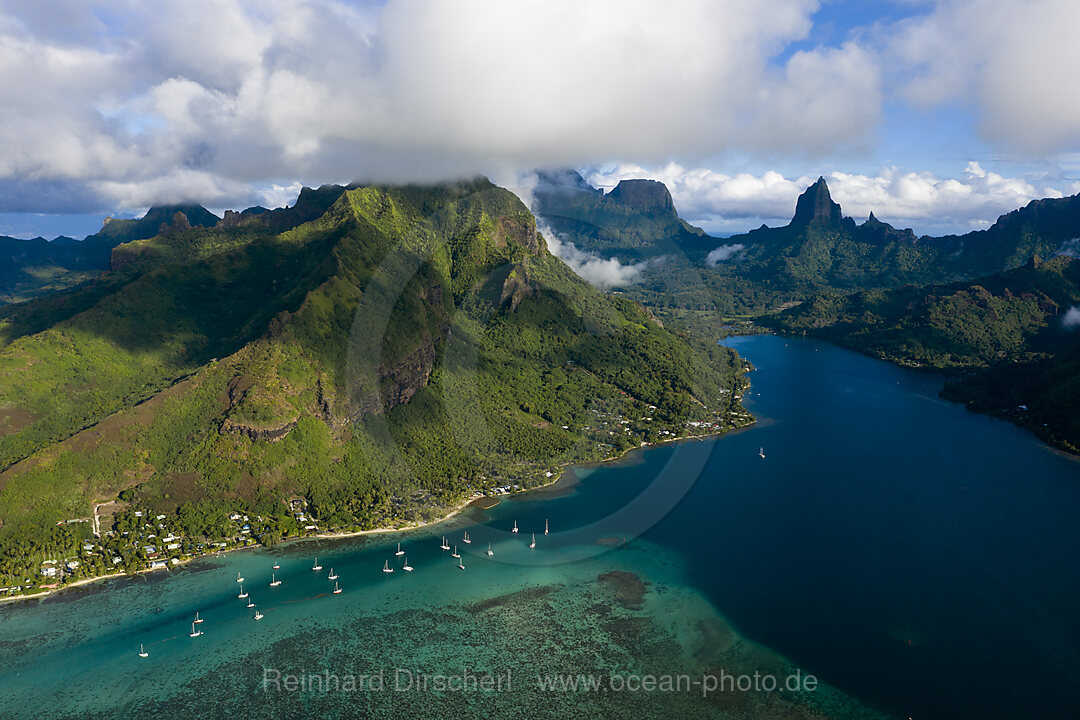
(490, 551)
(407, 567)
(515, 527)
(274, 582)
(242, 594)
(386, 567)
(337, 590)
(198, 619)
(258, 615)
(545, 526)
(399, 550)
(467, 539)
(455, 553)
(194, 632)
(445, 545)
(533, 543)
(142, 653)
(316, 567)
(761, 453)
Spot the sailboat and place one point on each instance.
(251, 603)
(545, 526)
(242, 594)
(238, 578)
(258, 615)
(316, 567)
(276, 566)
(455, 553)
(407, 567)
(399, 550)
(445, 545)
(761, 453)
(143, 653)
(337, 590)
(386, 567)
(467, 539)
(332, 576)
(194, 632)
(533, 543)
(515, 527)
(198, 620)
(461, 564)
(274, 582)
(490, 551)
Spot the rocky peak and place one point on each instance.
(649, 195)
(816, 205)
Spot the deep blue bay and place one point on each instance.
(918, 559)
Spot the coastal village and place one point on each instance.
(138, 540)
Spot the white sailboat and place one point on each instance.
(337, 590)
(467, 539)
(194, 632)
(316, 567)
(515, 527)
(386, 567)
(445, 545)
(407, 567)
(461, 564)
(274, 582)
(490, 551)
(533, 543)
(333, 575)
(242, 594)
(761, 453)
(238, 578)
(545, 526)
(399, 550)
(251, 603)
(142, 653)
(198, 620)
(455, 553)
(258, 615)
(276, 566)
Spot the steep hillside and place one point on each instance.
(407, 348)
(31, 268)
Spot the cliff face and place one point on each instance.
(643, 195)
(816, 205)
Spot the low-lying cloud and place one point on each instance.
(1071, 318)
(598, 271)
(722, 253)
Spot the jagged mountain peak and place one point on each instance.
(816, 205)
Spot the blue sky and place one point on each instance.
(935, 115)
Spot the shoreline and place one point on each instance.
(382, 531)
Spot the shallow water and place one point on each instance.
(914, 555)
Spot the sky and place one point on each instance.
(938, 116)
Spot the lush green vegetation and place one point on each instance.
(405, 349)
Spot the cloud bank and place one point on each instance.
(180, 99)
(926, 202)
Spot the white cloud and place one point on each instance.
(922, 200)
(1009, 61)
(598, 271)
(245, 93)
(594, 269)
(722, 253)
(1071, 319)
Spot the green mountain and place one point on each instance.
(768, 268)
(31, 268)
(382, 352)
(1003, 333)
